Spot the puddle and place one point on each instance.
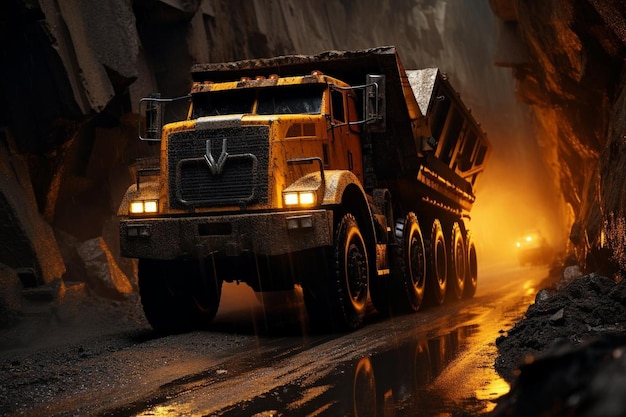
(395, 382)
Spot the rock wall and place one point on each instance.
(569, 68)
(75, 69)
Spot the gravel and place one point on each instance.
(566, 356)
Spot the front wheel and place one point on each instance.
(337, 300)
(178, 296)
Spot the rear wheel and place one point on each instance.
(471, 275)
(337, 300)
(458, 262)
(178, 296)
(408, 266)
(437, 264)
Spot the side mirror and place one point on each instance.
(153, 118)
(375, 108)
(155, 114)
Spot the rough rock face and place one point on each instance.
(103, 274)
(26, 240)
(74, 71)
(568, 65)
(10, 300)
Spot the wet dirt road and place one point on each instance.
(436, 362)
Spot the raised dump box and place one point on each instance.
(457, 149)
(340, 173)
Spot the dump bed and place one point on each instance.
(432, 148)
(457, 149)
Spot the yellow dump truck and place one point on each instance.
(342, 173)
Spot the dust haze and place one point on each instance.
(516, 193)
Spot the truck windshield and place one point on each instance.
(293, 99)
(222, 102)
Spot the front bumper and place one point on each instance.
(230, 235)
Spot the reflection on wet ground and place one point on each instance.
(436, 363)
(395, 382)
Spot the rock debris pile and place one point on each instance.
(567, 356)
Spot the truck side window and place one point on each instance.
(337, 103)
(352, 115)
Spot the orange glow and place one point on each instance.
(529, 288)
(494, 389)
(516, 193)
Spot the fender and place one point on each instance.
(339, 188)
(344, 189)
(336, 183)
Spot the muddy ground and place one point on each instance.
(565, 357)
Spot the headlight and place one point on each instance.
(144, 206)
(299, 198)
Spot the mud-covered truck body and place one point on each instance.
(341, 173)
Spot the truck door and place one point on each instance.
(345, 140)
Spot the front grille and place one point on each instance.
(198, 178)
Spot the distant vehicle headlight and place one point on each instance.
(144, 206)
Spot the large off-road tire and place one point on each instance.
(408, 266)
(178, 296)
(471, 273)
(436, 265)
(457, 262)
(336, 300)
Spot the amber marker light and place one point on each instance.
(299, 198)
(150, 206)
(136, 207)
(144, 206)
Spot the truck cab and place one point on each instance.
(209, 164)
